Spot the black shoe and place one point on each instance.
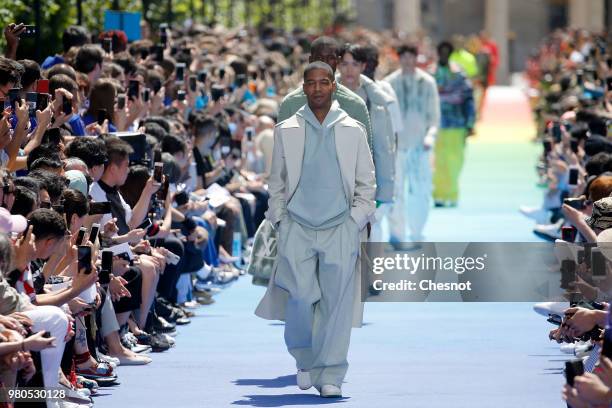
(158, 325)
(158, 343)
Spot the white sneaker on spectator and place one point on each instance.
(80, 396)
(548, 308)
(228, 259)
(331, 391)
(303, 379)
(549, 231)
(192, 304)
(567, 348)
(108, 359)
(204, 272)
(584, 349)
(141, 348)
(112, 361)
(168, 338)
(539, 215)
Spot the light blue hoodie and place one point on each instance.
(320, 201)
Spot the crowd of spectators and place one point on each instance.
(570, 79)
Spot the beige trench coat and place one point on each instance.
(359, 183)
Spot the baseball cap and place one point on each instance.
(10, 222)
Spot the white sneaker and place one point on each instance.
(549, 231)
(112, 361)
(567, 348)
(80, 396)
(539, 215)
(303, 379)
(583, 350)
(203, 273)
(331, 391)
(548, 308)
(192, 304)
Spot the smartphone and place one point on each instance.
(547, 147)
(221, 72)
(107, 44)
(53, 136)
(121, 101)
(14, 97)
(579, 77)
(93, 234)
(107, 267)
(249, 131)
(158, 52)
(202, 76)
(42, 86)
(574, 145)
(45, 204)
(568, 273)
(180, 72)
(157, 156)
(568, 233)
(146, 95)
(28, 32)
(163, 192)
(573, 369)
(146, 224)
(133, 89)
(240, 80)
(84, 259)
(66, 105)
(42, 101)
(556, 132)
(31, 99)
(163, 35)
(217, 92)
(81, 236)
(575, 203)
(103, 207)
(101, 116)
(193, 83)
(180, 95)
(158, 172)
(573, 177)
(598, 264)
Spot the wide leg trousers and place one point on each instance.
(317, 268)
(449, 153)
(412, 194)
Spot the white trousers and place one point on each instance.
(53, 320)
(317, 268)
(413, 188)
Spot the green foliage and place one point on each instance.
(58, 14)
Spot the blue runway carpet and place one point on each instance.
(407, 355)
